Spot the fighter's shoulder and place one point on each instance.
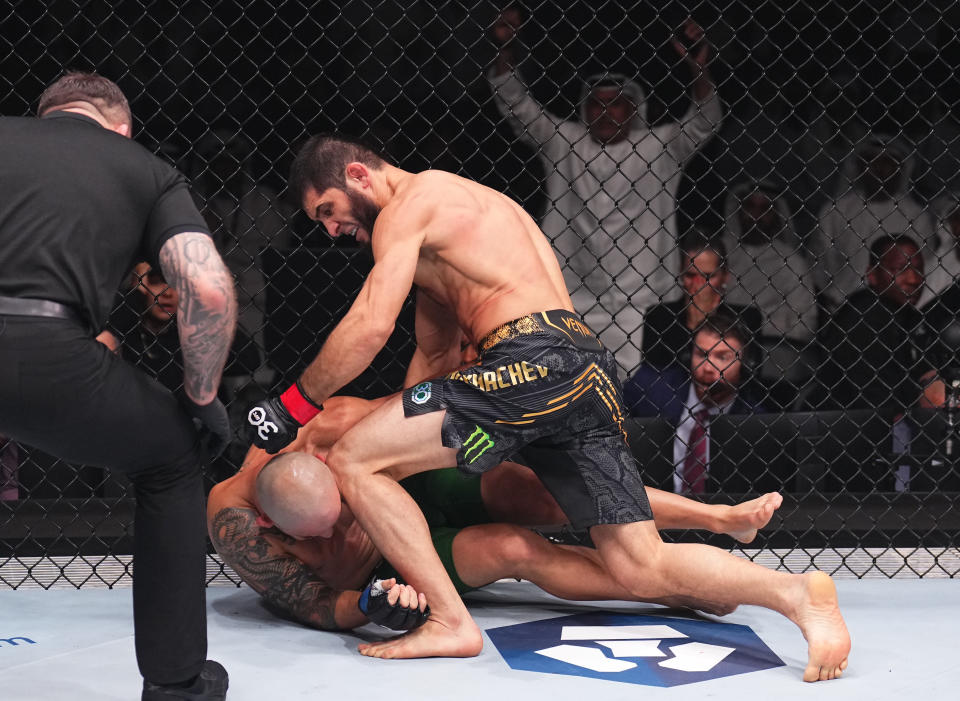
(432, 191)
(228, 494)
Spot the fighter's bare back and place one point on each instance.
(482, 256)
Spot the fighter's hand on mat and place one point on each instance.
(273, 422)
(392, 605)
(213, 423)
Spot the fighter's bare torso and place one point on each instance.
(481, 256)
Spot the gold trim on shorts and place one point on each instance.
(524, 326)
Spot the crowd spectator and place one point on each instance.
(945, 270)
(874, 201)
(874, 345)
(942, 313)
(769, 269)
(611, 183)
(669, 327)
(153, 345)
(714, 383)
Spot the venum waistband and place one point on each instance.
(556, 322)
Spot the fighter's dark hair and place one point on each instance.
(879, 248)
(322, 160)
(725, 323)
(83, 86)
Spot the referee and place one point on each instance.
(81, 204)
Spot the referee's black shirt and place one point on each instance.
(79, 206)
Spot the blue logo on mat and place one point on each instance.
(649, 650)
(12, 642)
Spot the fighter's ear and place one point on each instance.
(358, 174)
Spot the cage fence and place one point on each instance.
(754, 206)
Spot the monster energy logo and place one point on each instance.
(477, 443)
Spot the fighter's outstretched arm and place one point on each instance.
(356, 340)
(281, 579)
(362, 333)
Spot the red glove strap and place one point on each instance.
(299, 405)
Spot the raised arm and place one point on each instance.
(705, 114)
(525, 115)
(281, 579)
(208, 310)
(438, 341)
(696, 52)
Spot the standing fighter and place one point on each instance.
(81, 204)
(545, 392)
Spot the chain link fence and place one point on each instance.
(786, 171)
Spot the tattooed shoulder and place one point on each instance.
(257, 557)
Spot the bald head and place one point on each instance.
(299, 494)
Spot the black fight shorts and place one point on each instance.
(545, 394)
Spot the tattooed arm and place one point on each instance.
(207, 313)
(256, 555)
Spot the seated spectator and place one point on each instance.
(9, 467)
(874, 201)
(945, 271)
(874, 344)
(942, 320)
(769, 270)
(612, 180)
(714, 384)
(154, 346)
(668, 328)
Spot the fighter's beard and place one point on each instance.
(365, 212)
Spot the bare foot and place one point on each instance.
(432, 639)
(828, 641)
(744, 520)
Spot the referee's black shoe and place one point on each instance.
(210, 685)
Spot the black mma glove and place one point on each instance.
(273, 423)
(213, 424)
(374, 605)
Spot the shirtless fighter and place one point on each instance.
(545, 394)
(284, 531)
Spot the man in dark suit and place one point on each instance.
(713, 386)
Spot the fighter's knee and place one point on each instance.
(348, 462)
(518, 548)
(341, 459)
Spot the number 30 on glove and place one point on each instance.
(274, 422)
(374, 604)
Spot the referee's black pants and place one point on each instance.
(65, 393)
